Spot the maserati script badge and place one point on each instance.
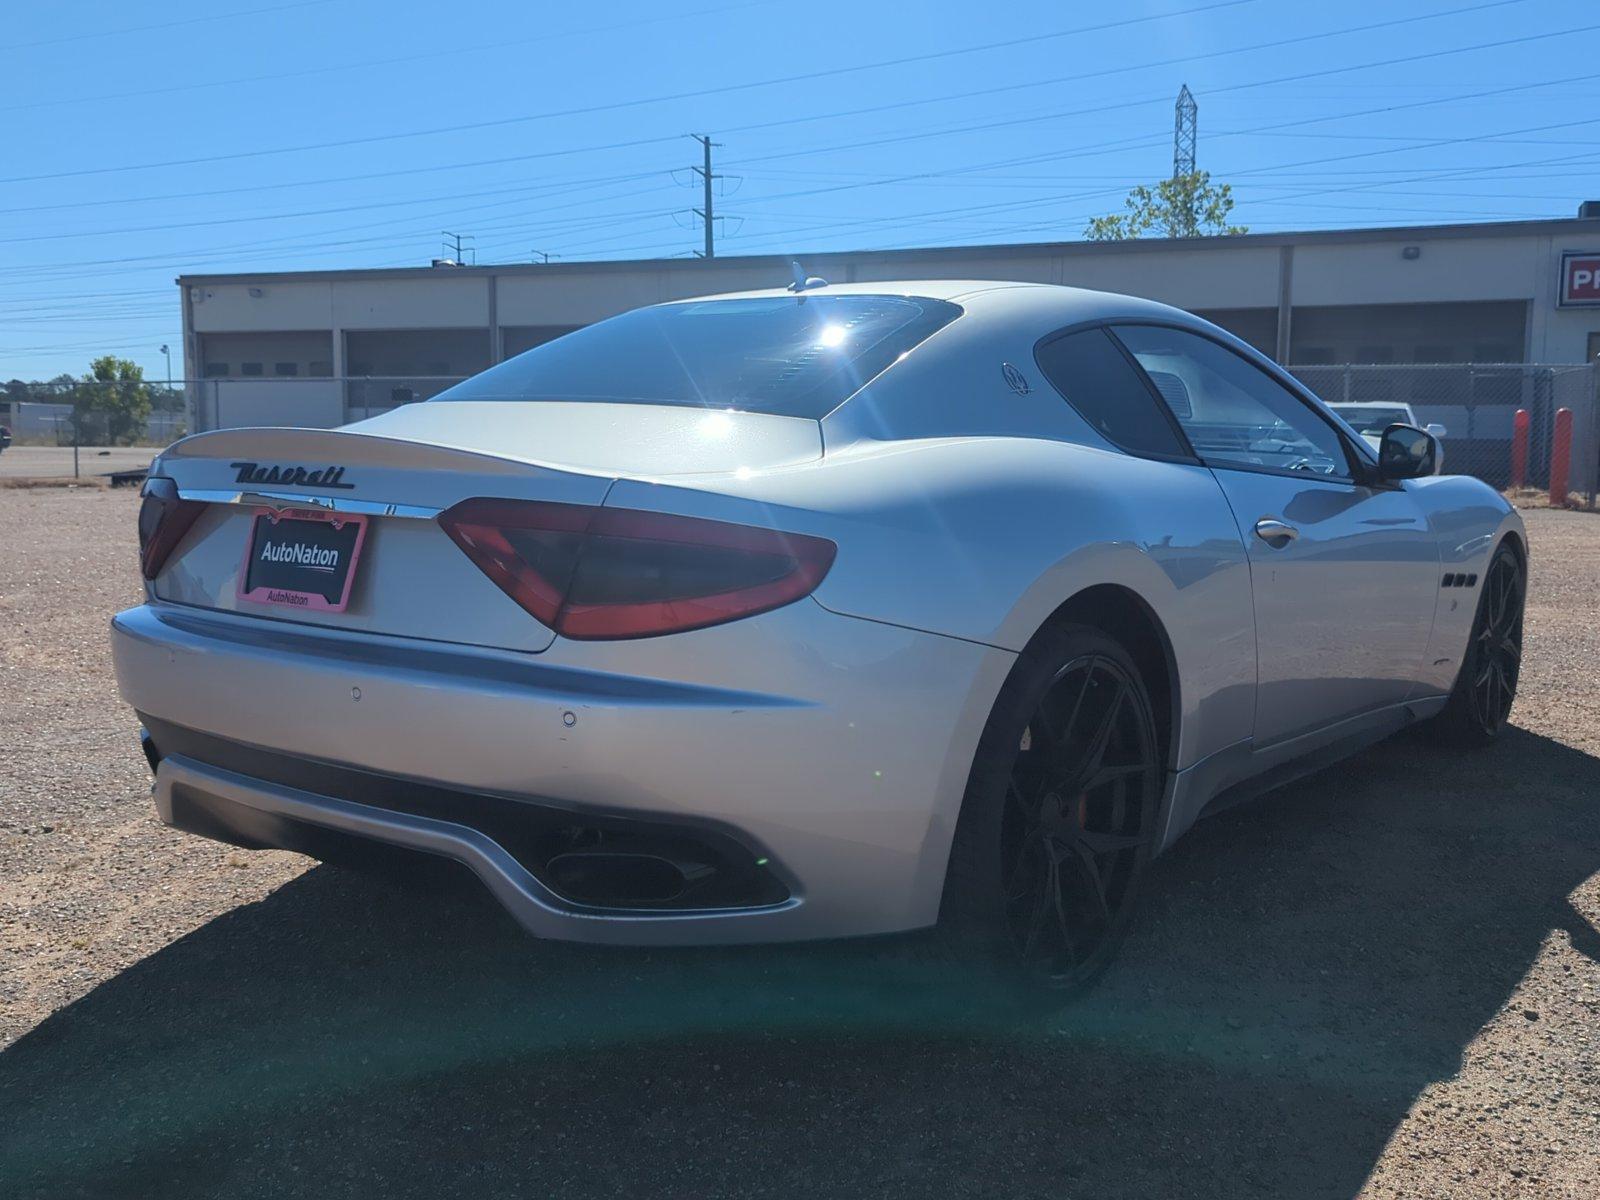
(328, 477)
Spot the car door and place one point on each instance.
(1344, 574)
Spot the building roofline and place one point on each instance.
(780, 262)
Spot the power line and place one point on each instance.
(1456, 174)
(289, 241)
(228, 16)
(344, 68)
(299, 184)
(1233, 87)
(313, 212)
(1080, 152)
(95, 345)
(1425, 145)
(834, 225)
(314, 249)
(629, 144)
(1037, 202)
(924, 134)
(1317, 119)
(1138, 141)
(616, 105)
(1148, 64)
(943, 97)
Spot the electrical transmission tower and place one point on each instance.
(1185, 132)
(707, 178)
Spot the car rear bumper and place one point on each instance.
(831, 750)
(241, 810)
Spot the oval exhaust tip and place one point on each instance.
(622, 879)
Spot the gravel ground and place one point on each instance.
(1385, 982)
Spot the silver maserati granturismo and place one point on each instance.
(812, 612)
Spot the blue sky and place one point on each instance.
(147, 140)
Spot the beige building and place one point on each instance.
(320, 347)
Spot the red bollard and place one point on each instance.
(1560, 457)
(1519, 449)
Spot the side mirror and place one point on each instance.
(1406, 452)
(1436, 429)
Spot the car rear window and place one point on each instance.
(1098, 380)
(790, 355)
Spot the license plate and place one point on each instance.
(302, 558)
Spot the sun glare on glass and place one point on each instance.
(832, 335)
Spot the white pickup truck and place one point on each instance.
(1371, 418)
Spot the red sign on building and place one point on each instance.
(1580, 280)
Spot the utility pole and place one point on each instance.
(453, 246)
(706, 177)
(543, 256)
(1185, 133)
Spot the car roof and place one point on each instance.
(933, 289)
(1049, 304)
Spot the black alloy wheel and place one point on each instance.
(1496, 654)
(1057, 825)
(1480, 704)
(1079, 800)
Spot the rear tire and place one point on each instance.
(1058, 820)
(1481, 700)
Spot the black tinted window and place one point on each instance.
(1097, 380)
(1234, 413)
(792, 355)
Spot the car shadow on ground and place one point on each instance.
(1303, 967)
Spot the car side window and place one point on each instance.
(1234, 413)
(1095, 376)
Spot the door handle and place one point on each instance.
(1276, 533)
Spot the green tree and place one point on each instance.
(1184, 206)
(115, 391)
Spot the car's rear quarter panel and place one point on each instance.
(982, 539)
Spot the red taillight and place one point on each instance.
(593, 573)
(163, 520)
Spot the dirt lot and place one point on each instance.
(1386, 982)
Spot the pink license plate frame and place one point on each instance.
(287, 597)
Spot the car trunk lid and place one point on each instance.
(609, 439)
(399, 470)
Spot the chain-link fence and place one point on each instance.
(102, 428)
(87, 428)
(1476, 406)
(74, 429)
